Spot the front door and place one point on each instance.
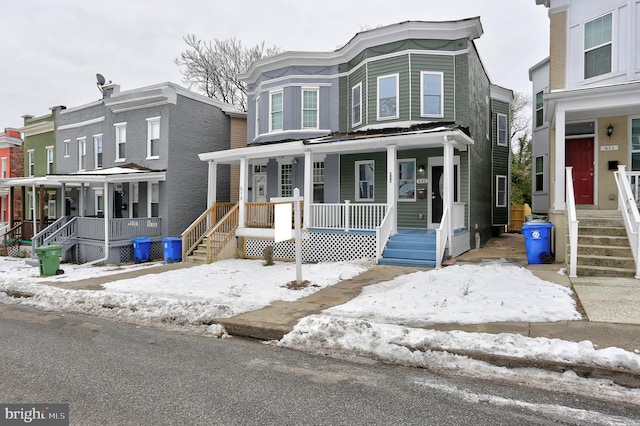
(259, 187)
(579, 155)
(436, 184)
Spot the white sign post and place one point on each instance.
(283, 225)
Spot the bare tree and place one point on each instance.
(520, 115)
(214, 67)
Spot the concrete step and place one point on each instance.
(602, 240)
(606, 261)
(604, 250)
(613, 231)
(599, 271)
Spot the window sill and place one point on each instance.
(120, 160)
(155, 157)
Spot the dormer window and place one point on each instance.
(388, 97)
(598, 46)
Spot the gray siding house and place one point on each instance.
(127, 167)
(398, 134)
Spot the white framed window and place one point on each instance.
(82, 153)
(51, 208)
(99, 201)
(67, 148)
(356, 105)
(432, 90)
(276, 123)
(501, 191)
(407, 180)
(97, 151)
(31, 162)
(365, 180)
(50, 157)
(539, 174)
(134, 190)
(4, 167)
(310, 99)
(318, 181)
(286, 180)
(153, 138)
(502, 137)
(121, 141)
(388, 97)
(257, 121)
(598, 47)
(539, 109)
(635, 144)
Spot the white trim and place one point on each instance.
(506, 130)
(613, 57)
(316, 90)
(359, 122)
(150, 122)
(82, 153)
(95, 150)
(31, 154)
(396, 76)
(50, 149)
(271, 95)
(81, 123)
(356, 179)
(422, 94)
(506, 191)
(117, 126)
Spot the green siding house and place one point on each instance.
(405, 135)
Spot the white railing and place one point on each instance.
(383, 232)
(572, 222)
(347, 216)
(629, 208)
(442, 235)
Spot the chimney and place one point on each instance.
(109, 90)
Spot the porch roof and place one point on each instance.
(347, 143)
(118, 174)
(591, 102)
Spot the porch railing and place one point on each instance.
(196, 232)
(42, 237)
(572, 223)
(262, 215)
(221, 233)
(11, 238)
(442, 236)
(383, 232)
(627, 201)
(119, 229)
(347, 216)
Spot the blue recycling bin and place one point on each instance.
(141, 249)
(537, 241)
(172, 249)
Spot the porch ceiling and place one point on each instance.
(432, 138)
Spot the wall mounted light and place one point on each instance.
(609, 130)
(421, 169)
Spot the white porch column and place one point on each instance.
(63, 200)
(308, 188)
(242, 196)
(558, 182)
(392, 185)
(447, 189)
(81, 202)
(212, 183)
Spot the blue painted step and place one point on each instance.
(410, 248)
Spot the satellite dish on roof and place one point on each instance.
(101, 79)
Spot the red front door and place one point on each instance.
(579, 155)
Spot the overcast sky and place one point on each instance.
(52, 50)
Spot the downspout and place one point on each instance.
(106, 209)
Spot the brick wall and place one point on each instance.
(558, 50)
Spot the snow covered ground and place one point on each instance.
(383, 322)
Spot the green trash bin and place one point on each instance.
(49, 259)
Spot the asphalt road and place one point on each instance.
(120, 374)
